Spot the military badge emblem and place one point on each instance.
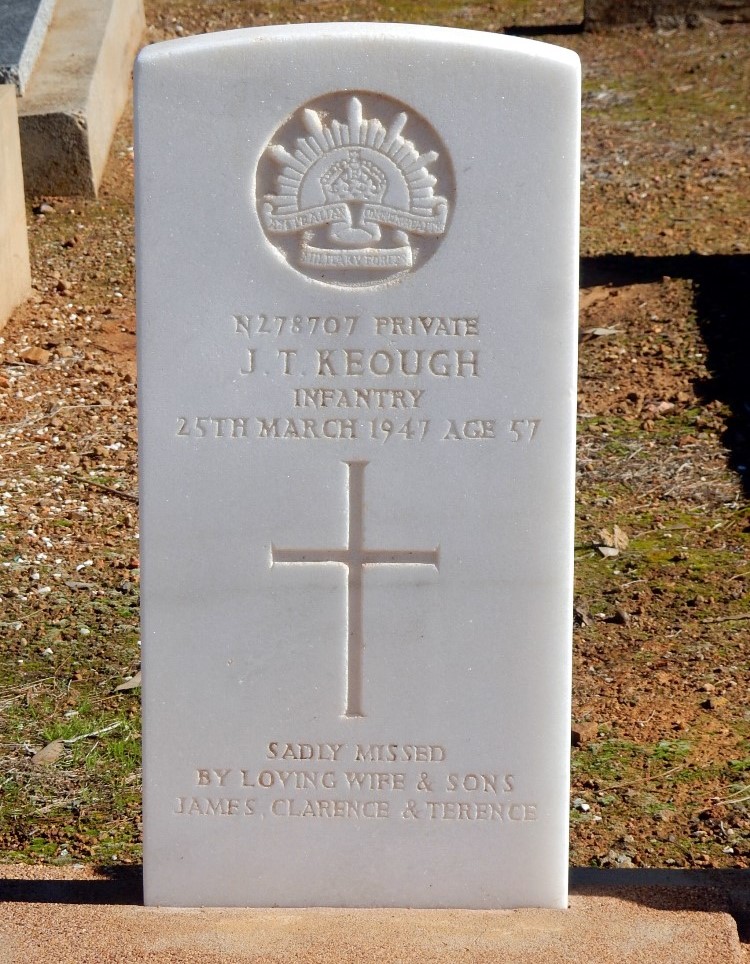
(352, 200)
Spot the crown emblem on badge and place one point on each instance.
(355, 190)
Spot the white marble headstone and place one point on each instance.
(357, 280)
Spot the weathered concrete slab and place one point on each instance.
(70, 914)
(15, 277)
(77, 93)
(612, 13)
(23, 25)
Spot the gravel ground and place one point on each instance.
(662, 725)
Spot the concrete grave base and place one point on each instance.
(15, 277)
(76, 94)
(71, 914)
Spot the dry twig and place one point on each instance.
(726, 619)
(102, 487)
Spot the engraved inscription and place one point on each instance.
(348, 189)
(410, 782)
(398, 752)
(380, 398)
(308, 428)
(331, 380)
(214, 806)
(330, 808)
(279, 325)
(442, 363)
(303, 751)
(386, 326)
(381, 429)
(355, 557)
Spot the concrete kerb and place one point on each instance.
(71, 913)
(15, 274)
(77, 93)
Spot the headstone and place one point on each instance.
(23, 25)
(357, 269)
(15, 273)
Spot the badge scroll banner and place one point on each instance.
(362, 258)
(407, 220)
(379, 213)
(306, 218)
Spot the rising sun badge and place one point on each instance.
(348, 199)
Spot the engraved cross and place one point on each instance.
(355, 557)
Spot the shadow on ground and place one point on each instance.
(118, 885)
(544, 30)
(720, 284)
(726, 890)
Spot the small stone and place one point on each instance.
(714, 702)
(35, 355)
(583, 733)
(621, 617)
(49, 754)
